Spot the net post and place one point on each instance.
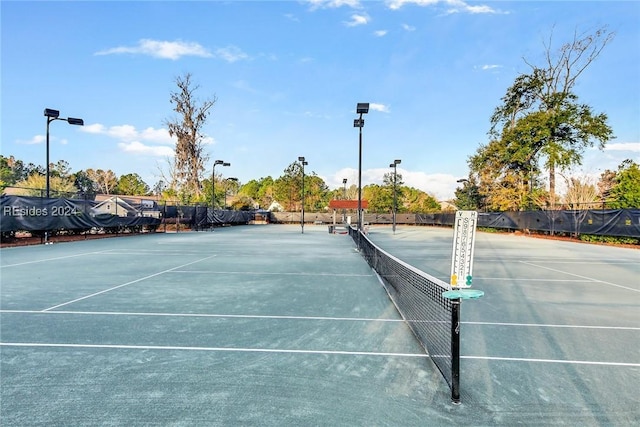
(455, 351)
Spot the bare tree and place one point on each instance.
(104, 181)
(190, 157)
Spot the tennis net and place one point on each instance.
(433, 319)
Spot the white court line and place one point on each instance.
(126, 284)
(231, 316)
(286, 351)
(582, 277)
(510, 279)
(542, 325)
(263, 273)
(568, 362)
(229, 349)
(282, 317)
(52, 259)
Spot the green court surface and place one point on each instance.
(264, 325)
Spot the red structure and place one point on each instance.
(347, 204)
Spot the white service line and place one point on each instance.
(229, 349)
(568, 362)
(53, 259)
(274, 350)
(126, 284)
(264, 273)
(203, 315)
(542, 325)
(582, 277)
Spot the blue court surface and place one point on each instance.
(267, 326)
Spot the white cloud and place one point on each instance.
(408, 27)
(231, 54)
(160, 49)
(357, 20)
(157, 142)
(333, 4)
(38, 139)
(130, 133)
(490, 67)
(440, 186)
(624, 146)
(380, 33)
(379, 107)
(397, 4)
(126, 132)
(136, 147)
(96, 128)
(454, 6)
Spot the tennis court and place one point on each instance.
(264, 325)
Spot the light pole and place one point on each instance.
(213, 181)
(361, 108)
(395, 206)
(52, 115)
(344, 197)
(303, 163)
(225, 190)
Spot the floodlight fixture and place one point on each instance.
(213, 181)
(362, 108)
(75, 121)
(53, 114)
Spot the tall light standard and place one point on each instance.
(303, 163)
(344, 197)
(52, 115)
(361, 108)
(213, 181)
(225, 190)
(395, 205)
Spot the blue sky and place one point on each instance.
(287, 76)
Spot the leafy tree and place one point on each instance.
(36, 184)
(61, 169)
(242, 203)
(468, 196)
(260, 191)
(288, 187)
(316, 193)
(417, 201)
(190, 157)
(133, 185)
(84, 184)
(379, 198)
(625, 193)
(540, 119)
